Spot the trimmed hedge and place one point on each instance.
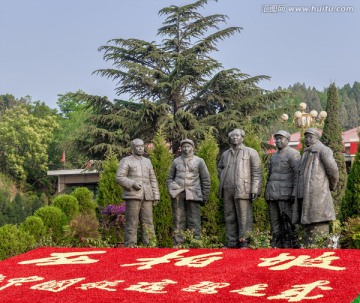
(14, 241)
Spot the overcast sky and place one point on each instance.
(49, 47)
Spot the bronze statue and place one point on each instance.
(188, 183)
(240, 176)
(318, 175)
(136, 175)
(280, 191)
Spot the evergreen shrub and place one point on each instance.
(14, 241)
(54, 220)
(34, 225)
(109, 191)
(85, 197)
(350, 235)
(83, 229)
(350, 204)
(68, 204)
(161, 159)
(212, 214)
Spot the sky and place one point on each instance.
(50, 47)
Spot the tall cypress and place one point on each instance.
(212, 224)
(350, 205)
(161, 159)
(332, 137)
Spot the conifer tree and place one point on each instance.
(175, 84)
(212, 216)
(260, 208)
(332, 137)
(350, 205)
(161, 159)
(109, 191)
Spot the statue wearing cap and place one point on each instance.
(188, 184)
(318, 175)
(240, 176)
(280, 191)
(140, 191)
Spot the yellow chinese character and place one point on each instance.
(193, 261)
(104, 285)
(20, 281)
(56, 286)
(252, 291)
(206, 287)
(151, 287)
(2, 277)
(323, 261)
(65, 258)
(299, 292)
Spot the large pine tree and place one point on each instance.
(332, 137)
(176, 84)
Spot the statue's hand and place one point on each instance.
(254, 197)
(137, 186)
(155, 202)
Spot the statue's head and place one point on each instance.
(137, 147)
(282, 139)
(236, 136)
(311, 136)
(187, 147)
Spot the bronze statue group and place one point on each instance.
(297, 190)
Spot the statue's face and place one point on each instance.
(187, 149)
(138, 148)
(236, 138)
(310, 139)
(281, 142)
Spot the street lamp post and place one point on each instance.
(304, 120)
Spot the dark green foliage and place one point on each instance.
(68, 204)
(22, 208)
(34, 225)
(350, 205)
(213, 224)
(161, 159)
(14, 241)
(54, 220)
(85, 197)
(109, 191)
(260, 209)
(332, 137)
(350, 235)
(177, 86)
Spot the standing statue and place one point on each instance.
(136, 175)
(318, 175)
(240, 176)
(280, 191)
(188, 183)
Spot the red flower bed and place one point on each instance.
(181, 275)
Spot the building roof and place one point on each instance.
(351, 135)
(62, 172)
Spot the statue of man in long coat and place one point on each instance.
(318, 175)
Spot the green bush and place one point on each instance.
(68, 204)
(350, 204)
(14, 241)
(34, 225)
(212, 214)
(83, 229)
(350, 235)
(54, 220)
(85, 198)
(161, 159)
(109, 191)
